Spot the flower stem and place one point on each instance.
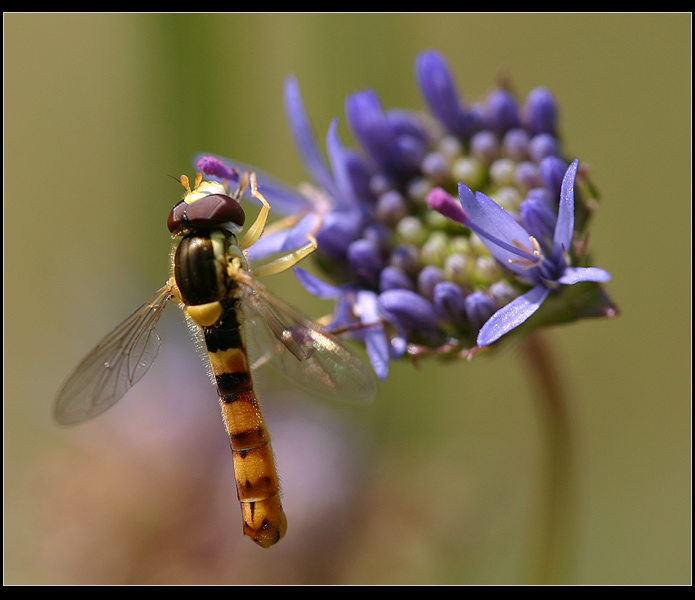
(553, 554)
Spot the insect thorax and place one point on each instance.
(200, 269)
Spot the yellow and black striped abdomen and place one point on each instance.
(257, 483)
(209, 293)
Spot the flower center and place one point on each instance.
(529, 263)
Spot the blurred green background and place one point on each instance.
(438, 481)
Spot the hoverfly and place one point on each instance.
(228, 308)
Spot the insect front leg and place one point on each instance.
(256, 230)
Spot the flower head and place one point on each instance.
(405, 277)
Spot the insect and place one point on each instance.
(236, 316)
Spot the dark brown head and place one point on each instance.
(205, 207)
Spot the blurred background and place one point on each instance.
(437, 482)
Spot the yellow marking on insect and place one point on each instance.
(200, 188)
(243, 415)
(256, 475)
(232, 360)
(259, 517)
(258, 488)
(205, 315)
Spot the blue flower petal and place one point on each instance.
(284, 240)
(315, 286)
(479, 307)
(538, 219)
(551, 170)
(395, 141)
(541, 111)
(439, 90)
(366, 117)
(304, 136)
(450, 302)
(393, 278)
(365, 259)
(339, 161)
(564, 228)
(268, 245)
(410, 310)
(338, 230)
(502, 111)
(573, 275)
(497, 229)
(298, 234)
(512, 315)
(375, 340)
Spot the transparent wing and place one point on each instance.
(279, 334)
(114, 366)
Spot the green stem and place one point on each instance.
(553, 555)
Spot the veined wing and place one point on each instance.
(114, 366)
(279, 334)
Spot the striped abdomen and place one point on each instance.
(208, 291)
(254, 467)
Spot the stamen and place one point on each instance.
(529, 263)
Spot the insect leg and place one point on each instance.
(254, 232)
(288, 260)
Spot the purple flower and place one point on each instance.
(543, 265)
(403, 279)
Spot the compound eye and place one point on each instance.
(177, 217)
(206, 212)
